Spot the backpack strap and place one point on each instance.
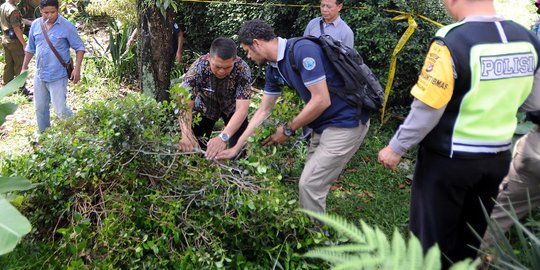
(291, 54)
(291, 50)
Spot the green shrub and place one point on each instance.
(13, 225)
(116, 193)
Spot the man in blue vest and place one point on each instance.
(338, 127)
(477, 74)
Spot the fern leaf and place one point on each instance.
(415, 254)
(369, 234)
(466, 264)
(382, 244)
(347, 248)
(339, 224)
(333, 258)
(398, 251)
(432, 261)
(361, 263)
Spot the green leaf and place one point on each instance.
(340, 224)
(13, 226)
(415, 253)
(433, 258)
(332, 257)
(9, 184)
(251, 205)
(466, 264)
(13, 85)
(5, 110)
(398, 250)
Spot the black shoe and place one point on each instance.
(28, 94)
(25, 91)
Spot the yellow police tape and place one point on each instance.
(401, 43)
(247, 4)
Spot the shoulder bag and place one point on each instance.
(68, 65)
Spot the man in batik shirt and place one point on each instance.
(220, 87)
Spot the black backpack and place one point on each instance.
(362, 89)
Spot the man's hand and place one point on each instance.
(276, 138)
(229, 153)
(214, 147)
(388, 158)
(187, 144)
(76, 74)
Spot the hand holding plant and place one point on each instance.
(277, 138)
(215, 146)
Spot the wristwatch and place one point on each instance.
(287, 131)
(224, 136)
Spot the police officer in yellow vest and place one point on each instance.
(12, 39)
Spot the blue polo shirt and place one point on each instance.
(63, 35)
(314, 67)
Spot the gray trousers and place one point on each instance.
(521, 186)
(327, 155)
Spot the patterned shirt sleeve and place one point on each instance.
(243, 81)
(190, 79)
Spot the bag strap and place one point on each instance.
(53, 49)
(321, 22)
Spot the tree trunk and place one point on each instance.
(155, 58)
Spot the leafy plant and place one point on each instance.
(125, 11)
(118, 194)
(523, 253)
(370, 249)
(13, 225)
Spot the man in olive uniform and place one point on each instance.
(12, 39)
(30, 11)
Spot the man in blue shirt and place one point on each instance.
(338, 128)
(50, 80)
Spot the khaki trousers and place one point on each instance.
(521, 186)
(14, 56)
(327, 155)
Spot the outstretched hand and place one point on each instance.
(228, 153)
(214, 146)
